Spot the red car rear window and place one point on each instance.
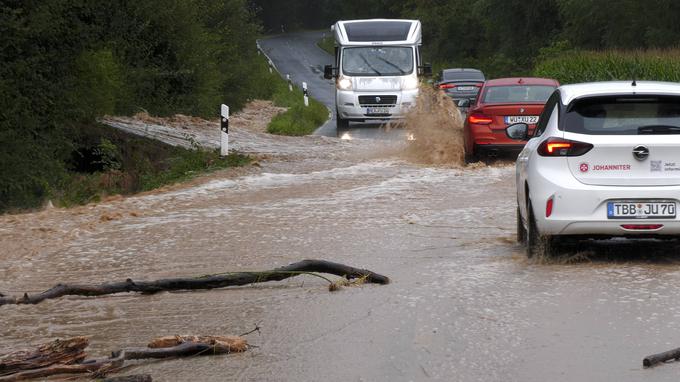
(517, 93)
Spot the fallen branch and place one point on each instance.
(163, 347)
(203, 282)
(653, 359)
(56, 352)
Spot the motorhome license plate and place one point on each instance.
(377, 110)
(528, 119)
(630, 209)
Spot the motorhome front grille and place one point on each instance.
(377, 100)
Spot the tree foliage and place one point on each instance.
(65, 62)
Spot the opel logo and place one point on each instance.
(377, 99)
(640, 152)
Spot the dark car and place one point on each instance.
(461, 83)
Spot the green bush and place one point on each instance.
(298, 119)
(586, 66)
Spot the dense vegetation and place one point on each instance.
(65, 62)
(585, 66)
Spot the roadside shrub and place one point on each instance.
(587, 66)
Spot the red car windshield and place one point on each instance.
(517, 93)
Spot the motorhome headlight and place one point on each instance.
(409, 83)
(344, 83)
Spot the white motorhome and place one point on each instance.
(377, 68)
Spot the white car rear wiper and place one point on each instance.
(659, 129)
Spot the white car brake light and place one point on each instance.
(558, 147)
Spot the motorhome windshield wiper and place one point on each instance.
(659, 129)
(392, 65)
(369, 65)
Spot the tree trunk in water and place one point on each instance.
(203, 282)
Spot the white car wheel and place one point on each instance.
(537, 244)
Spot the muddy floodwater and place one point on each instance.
(464, 303)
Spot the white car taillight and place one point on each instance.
(558, 147)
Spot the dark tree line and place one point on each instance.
(500, 36)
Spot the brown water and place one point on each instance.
(436, 128)
(464, 305)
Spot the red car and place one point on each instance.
(502, 102)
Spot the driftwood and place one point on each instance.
(164, 347)
(56, 352)
(203, 282)
(654, 359)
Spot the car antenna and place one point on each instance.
(634, 82)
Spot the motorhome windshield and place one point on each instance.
(377, 61)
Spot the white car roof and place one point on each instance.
(575, 91)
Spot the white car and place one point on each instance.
(604, 161)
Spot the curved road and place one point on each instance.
(299, 55)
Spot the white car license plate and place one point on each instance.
(465, 88)
(631, 209)
(377, 110)
(528, 119)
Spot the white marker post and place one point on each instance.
(305, 93)
(224, 130)
(271, 67)
(290, 84)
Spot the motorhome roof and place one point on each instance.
(377, 31)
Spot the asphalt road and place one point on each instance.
(298, 55)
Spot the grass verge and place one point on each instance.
(298, 119)
(327, 43)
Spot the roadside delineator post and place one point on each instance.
(305, 93)
(290, 84)
(271, 67)
(224, 130)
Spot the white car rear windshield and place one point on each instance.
(517, 93)
(624, 115)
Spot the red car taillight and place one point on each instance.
(447, 86)
(480, 119)
(558, 147)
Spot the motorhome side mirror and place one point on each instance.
(463, 103)
(517, 131)
(328, 72)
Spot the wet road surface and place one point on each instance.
(464, 303)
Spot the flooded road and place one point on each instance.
(464, 303)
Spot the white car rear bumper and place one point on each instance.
(581, 209)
